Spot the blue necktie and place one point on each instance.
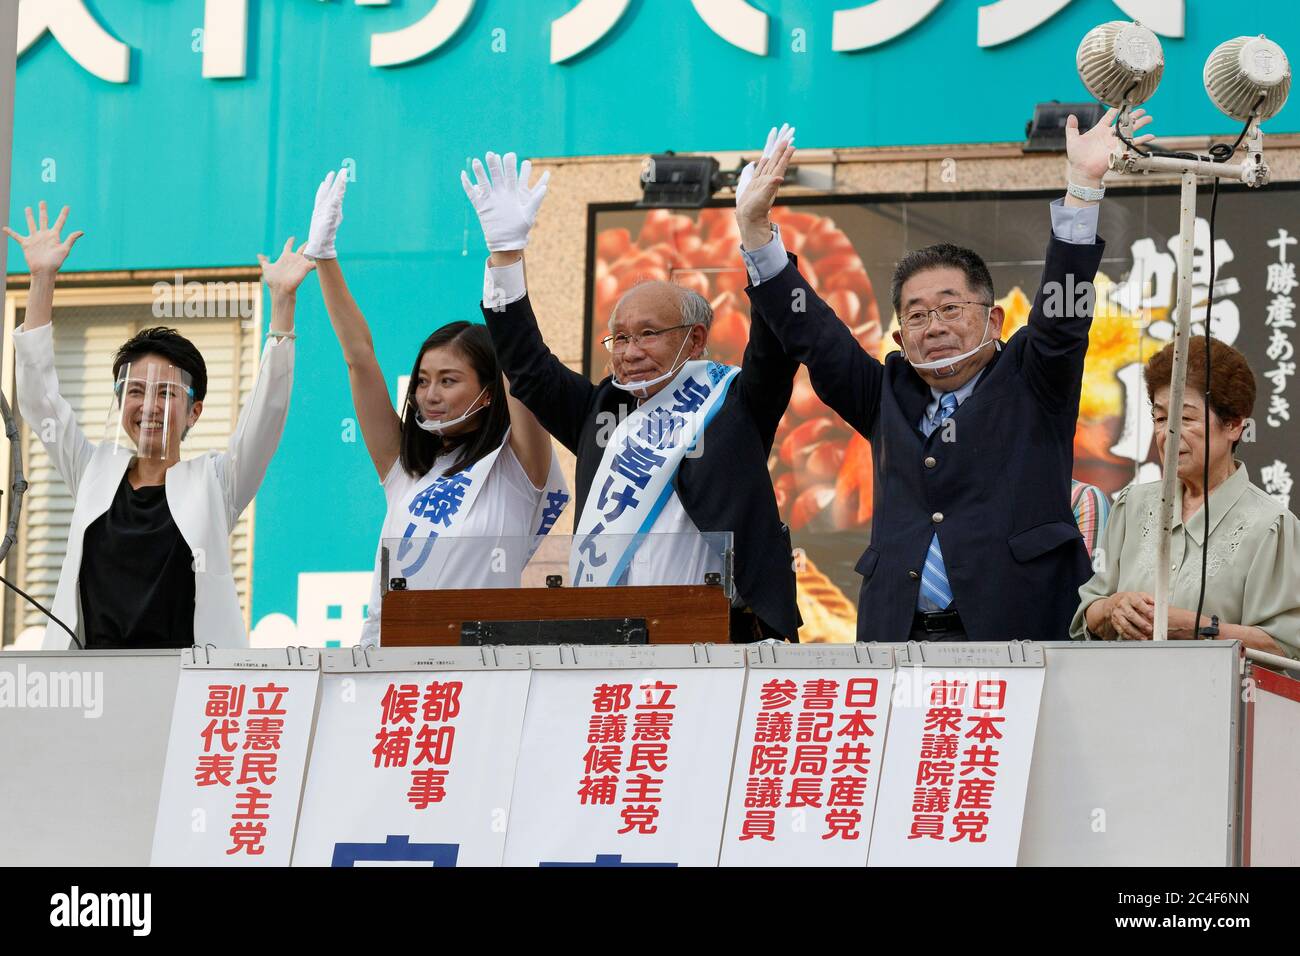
(935, 594)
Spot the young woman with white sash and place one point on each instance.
(461, 458)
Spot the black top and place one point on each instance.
(137, 575)
(727, 488)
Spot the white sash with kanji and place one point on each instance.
(635, 477)
(440, 511)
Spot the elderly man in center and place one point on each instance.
(644, 467)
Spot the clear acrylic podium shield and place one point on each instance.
(558, 589)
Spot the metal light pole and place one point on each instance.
(1178, 380)
(1253, 173)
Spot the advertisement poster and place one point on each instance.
(821, 469)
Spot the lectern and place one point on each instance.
(631, 589)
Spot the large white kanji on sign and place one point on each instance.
(583, 26)
(78, 32)
(873, 23)
(735, 21)
(422, 37)
(225, 38)
(1007, 19)
(225, 28)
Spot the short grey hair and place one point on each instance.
(694, 308)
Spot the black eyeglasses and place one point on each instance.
(947, 313)
(621, 340)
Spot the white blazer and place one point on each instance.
(206, 495)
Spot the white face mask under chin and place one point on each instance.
(440, 426)
(950, 362)
(639, 388)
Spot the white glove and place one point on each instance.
(326, 216)
(506, 205)
(776, 141)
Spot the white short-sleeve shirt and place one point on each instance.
(505, 508)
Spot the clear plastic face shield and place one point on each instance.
(947, 364)
(150, 411)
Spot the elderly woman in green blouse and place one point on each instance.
(1253, 564)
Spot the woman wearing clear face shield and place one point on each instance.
(470, 478)
(148, 554)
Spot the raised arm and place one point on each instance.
(844, 376)
(507, 207)
(560, 398)
(381, 426)
(40, 403)
(45, 253)
(282, 278)
(262, 419)
(767, 373)
(766, 377)
(529, 441)
(1063, 307)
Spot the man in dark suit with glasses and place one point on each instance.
(973, 537)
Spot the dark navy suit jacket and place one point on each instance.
(726, 488)
(997, 493)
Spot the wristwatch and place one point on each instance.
(1086, 193)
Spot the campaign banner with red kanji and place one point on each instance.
(956, 766)
(626, 756)
(235, 758)
(414, 766)
(808, 758)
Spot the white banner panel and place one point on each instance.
(1114, 781)
(961, 734)
(1274, 769)
(807, 766)
(626, 756)
(414, 758)
(112, 728)
(235, 758)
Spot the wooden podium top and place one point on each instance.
(685, 614)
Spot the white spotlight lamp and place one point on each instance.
(1120, 63)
